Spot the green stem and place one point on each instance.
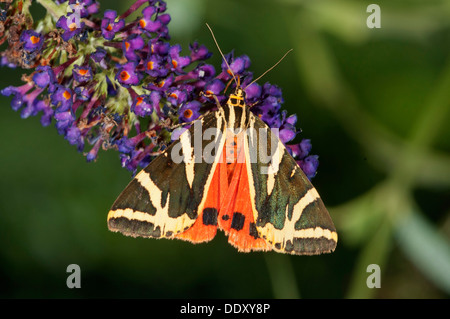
(433, 117)
(282, 276)
(375, 252)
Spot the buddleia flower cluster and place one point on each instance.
(110, 83)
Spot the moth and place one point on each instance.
(229, 171)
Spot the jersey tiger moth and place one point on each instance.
(259, 204)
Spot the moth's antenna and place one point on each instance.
(214, 38)
(269, 69)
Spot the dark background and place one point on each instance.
(375, 104)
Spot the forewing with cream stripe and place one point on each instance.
(288, 211)
(166, 197)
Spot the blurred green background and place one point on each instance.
(374, 102)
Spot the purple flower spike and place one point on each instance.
(44, 107)
(309, 165)
(130, 86)
(73, 135)
(142, 106)
(286, 135)
(287, 128)
(32, 41)
(128, 75)
(92, 154)
(177, 96)
(159, 47)
(99, 56)
(19, 94)
(83, 93)
(178, 62)
(5, 62)
(253, 92)
(199, 52)
(178, 131)
(155, 66)
(71, 26)
(17, 90)
(189, 111)
(271, 90)
(109, 25)
(62, 97)
(300, 150)
(240, 64)
(84, 7)
(214, 87)
(44, 77)
(64, 120)
(82, 74)
(268, 111)
(204, 72)
(146, 21)
(29, 101)
(132, 44)
(127, 145)
(162, 85)
(237, 65)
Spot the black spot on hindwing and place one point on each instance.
(253, 231)
(238, 220)
(210, 216)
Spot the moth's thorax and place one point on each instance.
(235, 111)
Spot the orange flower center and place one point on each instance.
(109, 27)
(142, 23)
(150, 65)
(139, 100)
(34, 39)
(124, 75)
(174, 95)
(82, 71)
(174, 63)
(67, 95)
(127, 45)
(73, 26)
(187, 114)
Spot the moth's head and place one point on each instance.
(237, 98)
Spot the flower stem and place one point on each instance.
(282, 276)
(133, 8)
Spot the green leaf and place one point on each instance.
(425, 247)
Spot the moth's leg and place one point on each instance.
(213, 96)
(191, 122)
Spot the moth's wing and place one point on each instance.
(205, 227)
(289, 212)
(166, 198)
(236, 216)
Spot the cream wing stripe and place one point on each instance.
(288, 233)
(160, 219)
(270, 183)
(185, 140)
(289, 224)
